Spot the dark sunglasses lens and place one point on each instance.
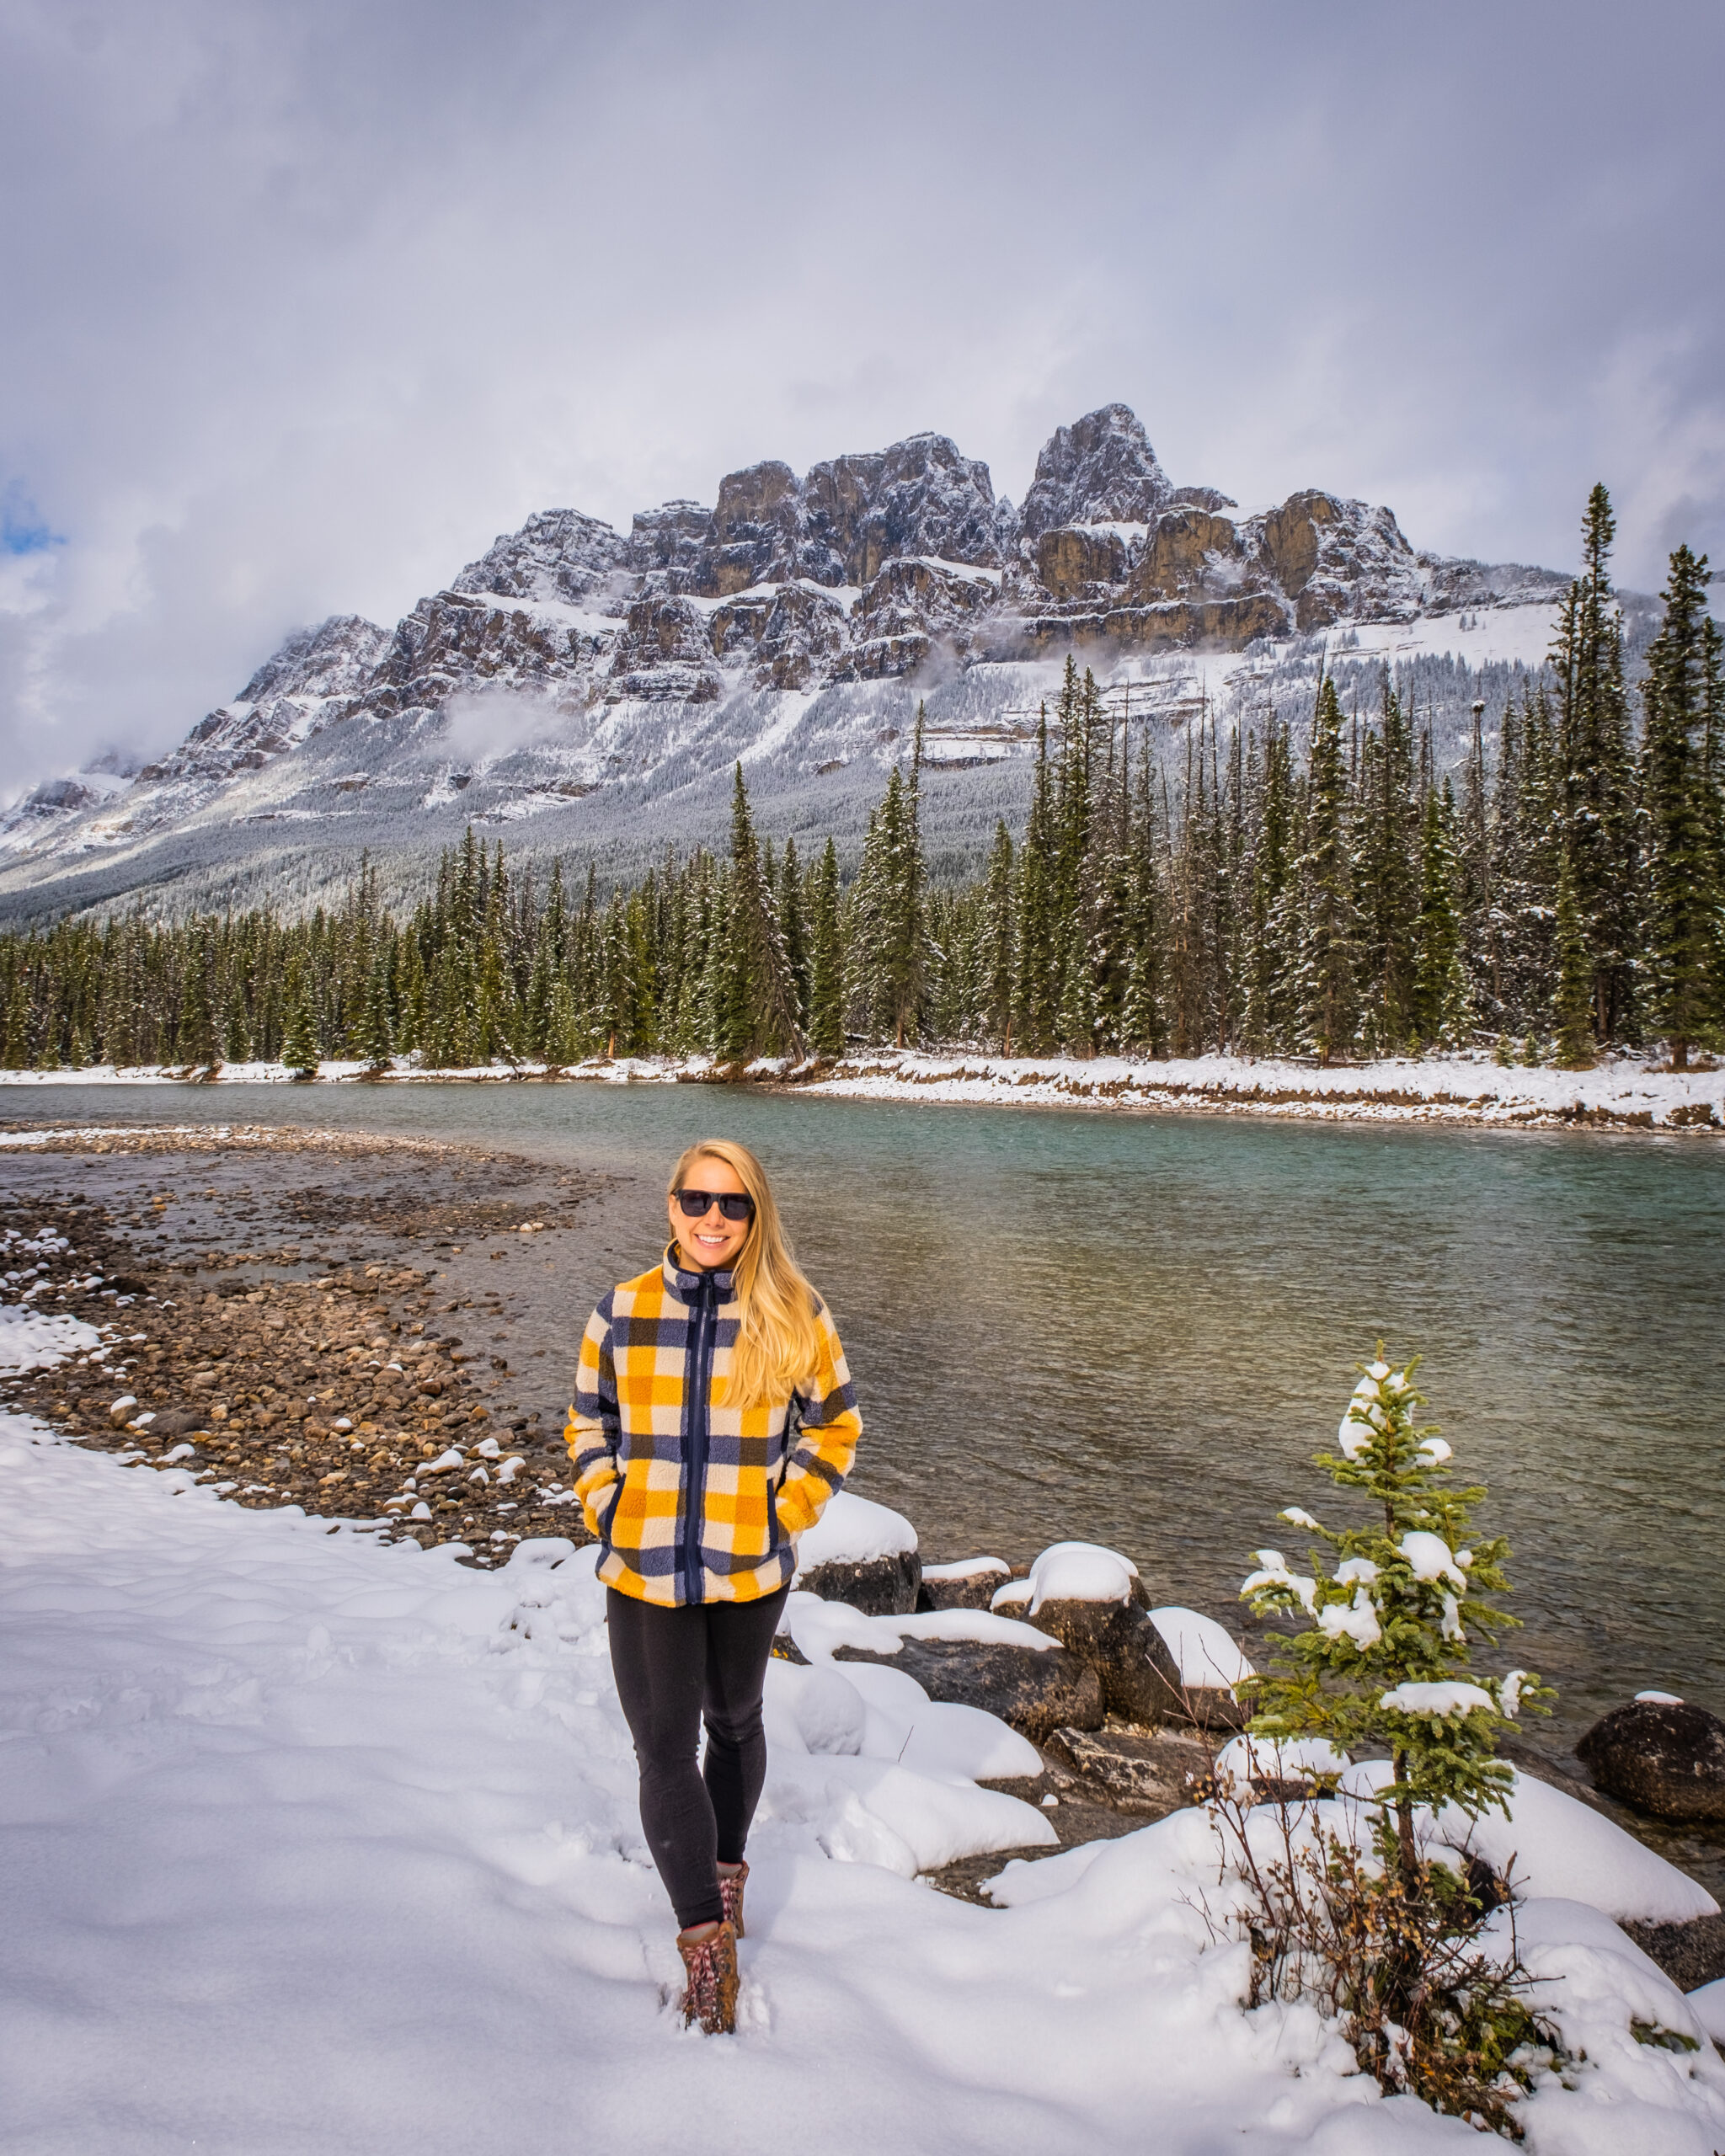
(735, 1205)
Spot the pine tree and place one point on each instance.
(826, 961)
(759, 1012)
(195, 1042)
(299, 1046)
(1682, 923)
(1597, 787)
(1327, 959)
(1438, 1002)
(791, 923)
(1035, 990)
(996, 944)
(1573, 1005)
(894, 952)
(1386, 880)
(374, 1044)
(1382, 1660)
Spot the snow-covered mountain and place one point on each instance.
(597, 687)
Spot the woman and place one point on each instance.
(713, 1418)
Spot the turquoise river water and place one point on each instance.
(1135, 1329)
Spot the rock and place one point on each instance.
(1070, 558)
(1036, 1689)
(121, 1410)
(1140, 1678)
(1691, 1953)
(1666, 1758)
(1191, 550)
(176, 1423)
(1139, 1773)
(970, 1585)
(1100, 470)
(879, 1587)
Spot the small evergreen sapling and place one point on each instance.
(1383, 1658)
(1389, 1942)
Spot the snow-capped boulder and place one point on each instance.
(862, 1554)
(1664, 1756)
(966, 1583)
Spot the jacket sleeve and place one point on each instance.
(826, 1443)
(594, 1431)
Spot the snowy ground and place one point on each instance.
(1626, 1092)
(315, 1845)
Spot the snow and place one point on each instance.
(1261, 1758)
(35, 1340)
(1628, 1092)
(1430, 1558)
(1205, 1653)
(1074, 1572)
(313, 1843)
(853, 1531)
(1447, 1699)
(1551, 1844)
(966, 1568)
(1660, 1699)
(1510, 634)
(1708, 2007)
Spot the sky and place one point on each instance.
(305, 302)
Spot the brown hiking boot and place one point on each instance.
(710, 1997)
(730, 1889)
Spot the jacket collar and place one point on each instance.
(686, 1284)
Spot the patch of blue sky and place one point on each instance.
(24, 530)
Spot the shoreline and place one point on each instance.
(1623, 1095)
(397, 1428)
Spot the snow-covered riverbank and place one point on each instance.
(313, 1843)
(1625, 1093)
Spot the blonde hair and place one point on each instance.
(778, 1343)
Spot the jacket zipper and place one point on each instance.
(700, 1384)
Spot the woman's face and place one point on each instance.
(712, 1243)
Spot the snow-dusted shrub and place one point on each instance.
(1346, 1907)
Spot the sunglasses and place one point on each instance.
(735, 1205)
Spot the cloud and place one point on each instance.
(306, 304)
(484, 726)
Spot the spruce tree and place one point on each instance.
(1327, 958)
(1438, 1002)
(1382, 1658)
(794, 931)
(1573, 1005)
(1597, 785)
(1388, 866)
(1035, 995)
(996, 942)
(1682, 925)
(299, 1046)
(826, 961)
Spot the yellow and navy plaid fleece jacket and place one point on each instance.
(693, 1501)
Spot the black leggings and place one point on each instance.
(674, 1669)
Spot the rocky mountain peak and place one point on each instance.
(557, 554)
(334, 659)
(1100, 470)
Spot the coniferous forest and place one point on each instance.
(1316, 888)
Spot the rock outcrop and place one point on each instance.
(1101, 470)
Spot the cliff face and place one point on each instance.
(895, 566)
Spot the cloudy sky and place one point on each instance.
(305, 300)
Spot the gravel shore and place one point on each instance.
(304, 1318)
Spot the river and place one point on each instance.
(1135, 1329)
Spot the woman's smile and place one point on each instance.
(711, 1243)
